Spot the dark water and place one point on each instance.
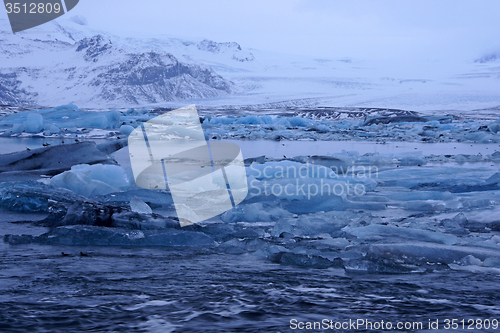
(156, 290)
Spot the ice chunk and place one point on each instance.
(101, 236)
(305, 260)
(52, 129)
(255, 212)
(54, 159)
(332, 243)
(494, 179)
(223, 232)
(135, 234)
(154, 199)
(432, 205)
(133, 220)
(33, 123)
(494, 127)
(310, 225)
(383, 266)
(233, 246)
(471, 260)
(309, 195)
(456, 225)
(66, 116)
(92, 180)
(83, 211)
(420, 253)
(460, 219)
(492, 262)
(420, 195)
(254, 120)
(300, 122)
(18, 198)
(33, 196)
(376, 232)
(126, 129)
(139, 206)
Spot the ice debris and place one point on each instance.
(406, 126)
(139, 206)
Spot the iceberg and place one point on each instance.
(33, 123)
(92, 180)
(311, 225)
(33, 196)
(305, 260)
(102, 236)
(383, 266)
(53, 160)
(65, 116)
(421, 253)
(378, 232)
(126, 129)
(255, 212)
(154, 199)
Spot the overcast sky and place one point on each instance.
(427, 28)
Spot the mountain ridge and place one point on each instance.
(47, 69)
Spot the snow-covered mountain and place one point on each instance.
(67, 61)
(94, 70)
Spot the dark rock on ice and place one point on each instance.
(67, 208)
(137, 221)
(80, 213)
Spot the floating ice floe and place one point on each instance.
(92, 180)
(50, 161)
(101, 236)
(66, 116)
